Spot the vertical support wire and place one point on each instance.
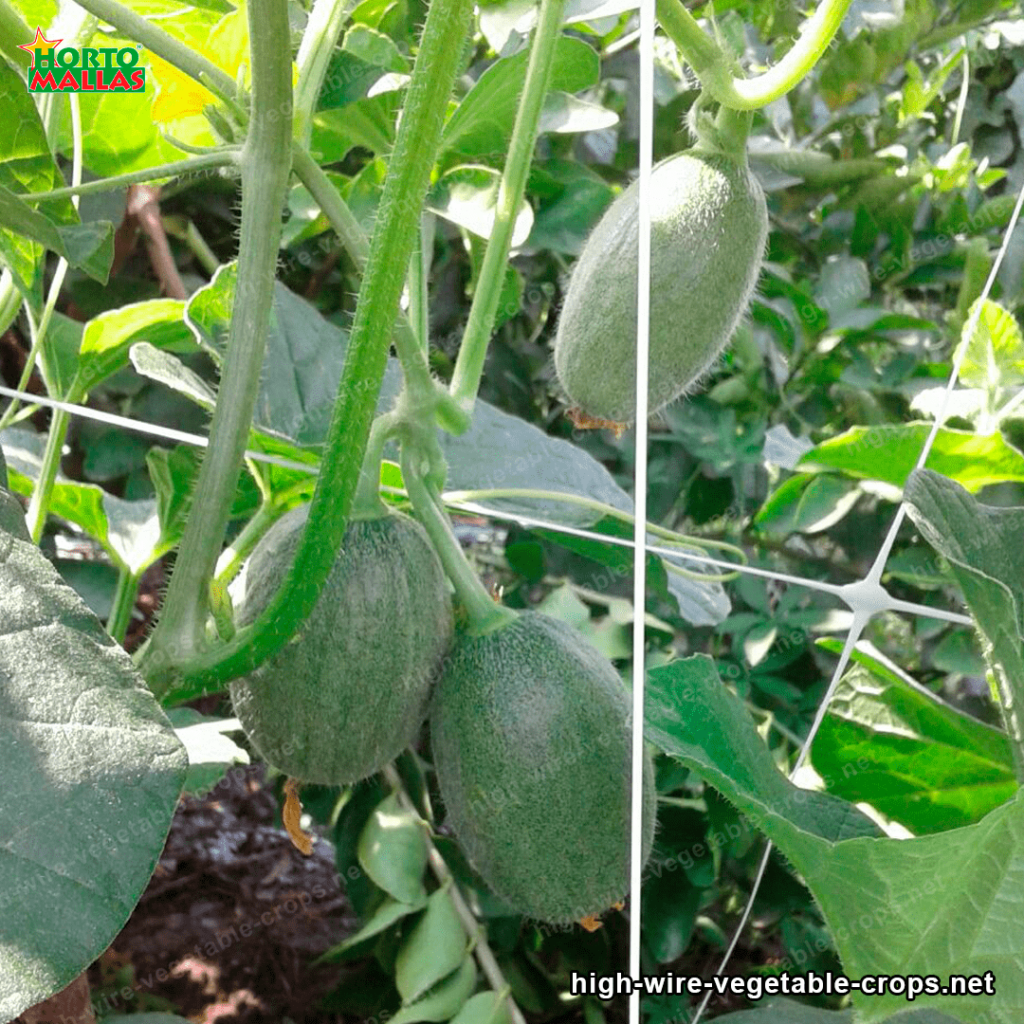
(864, 604)
(643, 311)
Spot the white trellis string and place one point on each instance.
(839, 591)
(866, 595)
(141, 427)
(454, 500)
(865, 598)
(643, 319)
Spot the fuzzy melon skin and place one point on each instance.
(530, 734)
(351, 690)
(709, 226)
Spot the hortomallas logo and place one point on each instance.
(82, 69)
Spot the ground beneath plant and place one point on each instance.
(232, 919)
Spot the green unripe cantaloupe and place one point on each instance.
(709, 225)
(530, 733)
(350, 690)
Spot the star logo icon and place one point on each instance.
(40, 43)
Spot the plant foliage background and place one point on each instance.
(892, 172)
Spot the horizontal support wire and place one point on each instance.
(199, 441)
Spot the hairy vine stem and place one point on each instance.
(484, 612)
(226, 157)
(412, 158)
(470, 363)
(713, 66)
(265, 165)
(411, 352)
(124, 601)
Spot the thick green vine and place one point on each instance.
(409, 169)
(713, 66)
(470, 364)
(265, 163)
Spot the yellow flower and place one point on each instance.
(178, 106)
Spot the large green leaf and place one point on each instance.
(938, 905)
(889, 453)
(690, 715)
(985, 554)
(304, 359)
(889, 742)
(92, 772)
(119, 134)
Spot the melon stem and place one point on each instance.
(713, 67)
(485, 614)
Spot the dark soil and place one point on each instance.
(232, 918)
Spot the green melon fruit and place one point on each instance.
(709, 225)
(530, 733)
(351, 689)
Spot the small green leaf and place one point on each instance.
(130, 531)
(169, 370)
(387, 914)
(484, 1008)
(433, 949)
(58, 359)
(565, 114)
(89, 247)
(392, 851)
(210, 751)
(467, 196)
(444, 1000)
(993, 354)
(374, 48)
(807, 504)
(482, 124)
(758, 642)
(108, 337)
(368, 122)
